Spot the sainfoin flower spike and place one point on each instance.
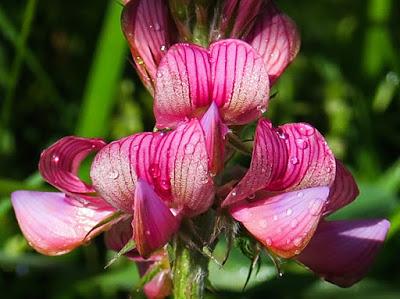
(294, 181)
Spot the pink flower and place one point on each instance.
(294, 182)
(151, 31)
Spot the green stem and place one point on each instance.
(190, 271)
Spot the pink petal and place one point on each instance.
(291, 157)
(343, 251)
(153, 222)
(160, 286)
(214, 131)
(174, 163)
(148, 28)
(54, 223)
(182, 86)
(343, 190)
(239, 15)
(119, 235)
(283, 223)
(59, 164)
(240, 81)
(275, 37)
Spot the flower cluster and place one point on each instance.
(146, 185)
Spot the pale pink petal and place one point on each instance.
(59, 164)
(238, 15)
(291, 157)
(343, 251)
(275, 37)
(153, 222)
(283, 223)
(214, 131)
(160, 286)
(240, 81)
(54, 223)
(175, 163)
(148, 28)
(182, 86)
(343, 190)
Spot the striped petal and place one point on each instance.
(59, 164)
(240, 81)
(291, 157)
(174, 163)
(283, 223)
(343, 190)
(148, 28)
(153, 222)
(275, 36)
(54, 223)
(343, 251)
(182, 87)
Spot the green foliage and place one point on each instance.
(64, 70)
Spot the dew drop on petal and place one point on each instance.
(55, 158)
(157, 27)
(294, 160)
(163, 48)
(165, 185)
(275, 217)
(307, 130)
(289, 212)
(252, 196)
(147, 232)
(233, 193)
(300, 194)
(281, 134)
(159, 75)
(154, 171)
(268, 241)
(301, 143)
(113, 174)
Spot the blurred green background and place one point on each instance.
(64, 69)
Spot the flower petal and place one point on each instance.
(160, 286)
(148, 28)
(214, 132)
(175, 163)
(54, 223)
(291, 157)
(283, 223)
(182, 85)
(240, 81)
(238, 15)
(119, 235)
(343, 251)
(59, 164)
(343, 190)
(153, 222)
(275, 37)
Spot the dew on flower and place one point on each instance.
(301, 143)
(113, 174)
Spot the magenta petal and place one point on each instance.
(240, 81)
(291, 157)
(147, 27)
(214, 131)
(59, 164)
(54, 223)
(119, 235)
(160, 286)
(343, 190)
(343, 251)
(275, 37)
(239, 14)
(153, 222)
(182, 84)
(283, 223)
(175, 163)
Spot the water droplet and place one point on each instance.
(159, 74)
(136, 147)
(268, 241)
(289, 212)
(147, 232)
(263, 170)
(294, 160)
(139, 60)
(281, 134)
(275, 217)
(300, 194)
(252, 196)
(165, 185)
(233, 193)
(329, 169)
(263, 223)
(297, 242)
(189, 149)
(55, 158)
(157, 27)
(163, 48)
(113, 174)
(301, 143)
(154, 171)
(307, 130)
(93, 146)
